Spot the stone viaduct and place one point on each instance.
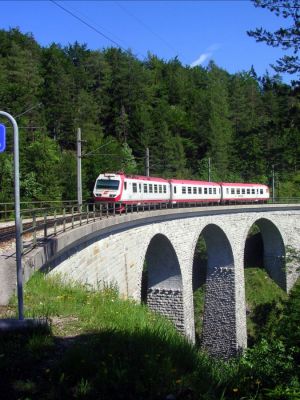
(115, 250)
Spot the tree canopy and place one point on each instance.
(288, 38)
(243, 123)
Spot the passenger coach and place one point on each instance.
(122, 189)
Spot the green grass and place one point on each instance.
(264, 301)
(98, 346)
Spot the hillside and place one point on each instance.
(244, 123)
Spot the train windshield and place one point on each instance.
(111, 184)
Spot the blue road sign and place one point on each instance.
(2, 138)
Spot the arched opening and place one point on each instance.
(162, 281)
(199, 280)
(265, 277)
(219, 318)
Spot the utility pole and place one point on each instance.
(273, 183)
(209, 169)
(79, 182)
(147, 166)
(17, 215)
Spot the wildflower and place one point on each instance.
(235, 390)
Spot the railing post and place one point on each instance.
(34, 229)
(45, 225)
(100, 210)
(72, 217)
(80, 215)
(114, 209)
(55, 222)
(64, 219)
(87, 214)
(94, 212)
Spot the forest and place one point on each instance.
(246, 125)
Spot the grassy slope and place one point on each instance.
(263, 300)
(101, 347)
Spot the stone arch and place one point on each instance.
(273, 251)
(219, 334)
(164, 292)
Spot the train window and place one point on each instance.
(243, 191)
(248, 191)
(238, 191)
(214, 190)
(199, 190)
(140, 187)
(194, 190)
(125, 185)
(155, 188)
(150, 188)
(110, 184)
(165, 188)
(210, 190)
(232, 191)
(253, 191)
(160, 188)
(174, 189)
(261, 191)
(145, 188)
(227, 190)
(189, 190)
(205, 190)
(134, 188)
(183, 190)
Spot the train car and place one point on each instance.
(119, 188)
(244, 193)
(135, 190)
(189, 191)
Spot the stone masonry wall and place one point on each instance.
(169, 303)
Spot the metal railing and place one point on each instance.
(40, 223)
(7, 210)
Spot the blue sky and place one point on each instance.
(195, 31)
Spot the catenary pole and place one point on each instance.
(273, 183)
(79, 182)
(17, 215)
(147, 165)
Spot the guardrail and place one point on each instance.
(38, 224)
(7, 209)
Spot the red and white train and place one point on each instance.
(122, 189)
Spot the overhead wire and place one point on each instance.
(95, 29)
(147, 27)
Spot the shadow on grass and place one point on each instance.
(264, 317)
(104, 365)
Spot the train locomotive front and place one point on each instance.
(108, 188)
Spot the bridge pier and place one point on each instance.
(164, 291)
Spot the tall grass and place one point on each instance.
(101, 347)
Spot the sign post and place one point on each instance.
(17, 208)
(2, 138)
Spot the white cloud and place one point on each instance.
(200, 60)
(205, 56)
